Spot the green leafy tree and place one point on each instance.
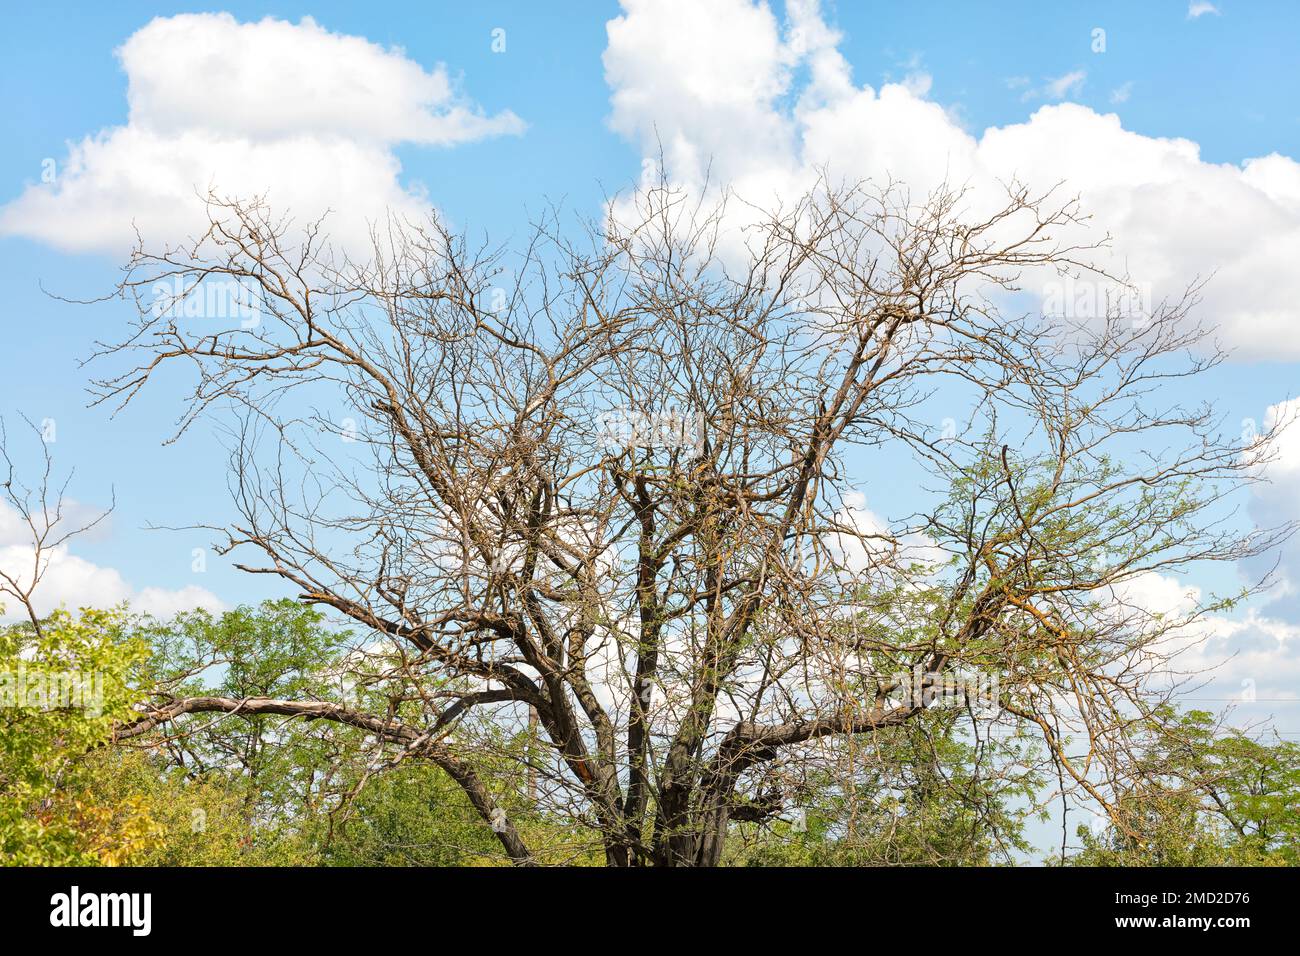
(1206, 796)
(277, 649)
(271, 788)
(925, 794)
(65, 683)
(198, 820)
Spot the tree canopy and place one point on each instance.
(588, 511)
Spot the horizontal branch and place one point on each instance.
(382, 728)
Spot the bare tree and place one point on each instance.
(43, 514)
(607, 483)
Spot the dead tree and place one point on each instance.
(605, 481)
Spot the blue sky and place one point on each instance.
(1224, 80)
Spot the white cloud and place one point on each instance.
(1199, 8)
(1060, 88)
(705, 77)
(12, 528)
(1122, 93)
(68, 580)
(1274, 503)
(749, 118)
(918, 83)
(160, 602)
(762, 106)
(872, 544)
(306, 117)
(1247, 666)
(1158, 594)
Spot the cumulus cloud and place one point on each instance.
(761, 104)
(1247, 665)
(706, 77)
(295, 113)
(69, 580)
(869, 542)
(162, 602)
(760, 100)
(1274, 503)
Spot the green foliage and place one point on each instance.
(1210, 798)
(414, 815)
(272, 790)
(278, 649)
(924, 795)
(193, 821)
(64, 686)
(263, 790)
(231, 793)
